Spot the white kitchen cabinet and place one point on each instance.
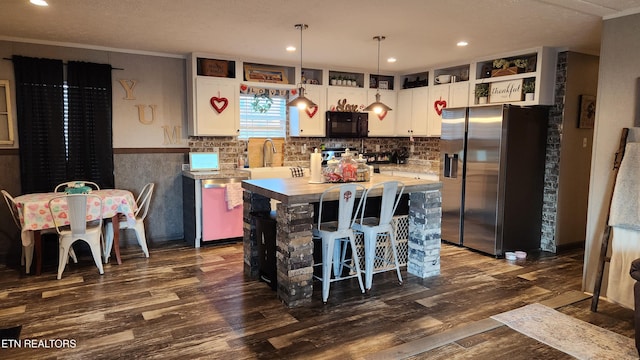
(217, 107)
(445, 96)
(383, 124)
(412, 115)
(354, 96)
(310, 122)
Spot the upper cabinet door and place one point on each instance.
(458, 95)
(310, 122)
(217, 107)
(420, 110)
(383, 124)
(354, 98)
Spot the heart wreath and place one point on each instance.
(311, 111)
(382, 115)
(439, 105)
(217, 100)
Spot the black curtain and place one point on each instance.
(40, 107)
(90, 132)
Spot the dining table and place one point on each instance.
(35, 216)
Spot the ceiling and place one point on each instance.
(419, 33)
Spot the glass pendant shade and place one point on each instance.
(378, 106)
(301, 102)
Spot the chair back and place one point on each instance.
(79, 209)
(143, 201)
(346, 203)
(62, 186)
(13, 208)
(390, 199)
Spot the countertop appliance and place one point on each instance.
(341, 124)
(492, 171)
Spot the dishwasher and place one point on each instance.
(219, 222)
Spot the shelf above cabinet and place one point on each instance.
(415, 80)
(216, 68)
(269, 73)
(348, 79)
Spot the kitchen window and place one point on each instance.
(262, 116)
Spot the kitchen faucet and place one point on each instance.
(265, 152)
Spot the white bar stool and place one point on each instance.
(336, 235)
(372, 227)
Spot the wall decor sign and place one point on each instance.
(587, 112)
(211, 67)
(505, 91)
(343, 106)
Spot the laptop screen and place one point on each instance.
(204, 161)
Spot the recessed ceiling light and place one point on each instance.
(39, 2)
(391, 60)
(462, 43)
(291, 48)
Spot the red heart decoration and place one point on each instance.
(382, 115)
(439, 105)
(311, 113)
(294, 91)
(243, 87)
(214, 102)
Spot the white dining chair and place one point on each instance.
(79, 228)
(143, 201)
(62, 186)
(336, 236)
(374, 227)
(26, 258)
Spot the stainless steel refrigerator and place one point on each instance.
(492, 171)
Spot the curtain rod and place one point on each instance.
(64, 63)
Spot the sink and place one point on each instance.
(272, 172)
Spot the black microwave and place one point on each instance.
(342, 124)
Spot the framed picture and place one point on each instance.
(211, 67)
(587, 112)
(263, 74)
(383, 85)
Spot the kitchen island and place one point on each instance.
(295, 218)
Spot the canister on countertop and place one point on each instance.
(348, 167)
(332, 171)
(362, 172)
(316, 167)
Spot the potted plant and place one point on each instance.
(333, 80)
(529, 88)
(482, 92)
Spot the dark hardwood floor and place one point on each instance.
(195, 303)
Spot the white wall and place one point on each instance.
(616, 108)
(160, 81)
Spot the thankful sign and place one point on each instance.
(505, 91)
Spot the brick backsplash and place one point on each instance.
(230, 148)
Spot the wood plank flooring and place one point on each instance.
(195, 303)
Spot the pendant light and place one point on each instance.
(378, 106)
(301, 102)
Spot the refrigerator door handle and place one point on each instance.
(451, 166)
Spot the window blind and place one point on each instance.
(269, 123)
